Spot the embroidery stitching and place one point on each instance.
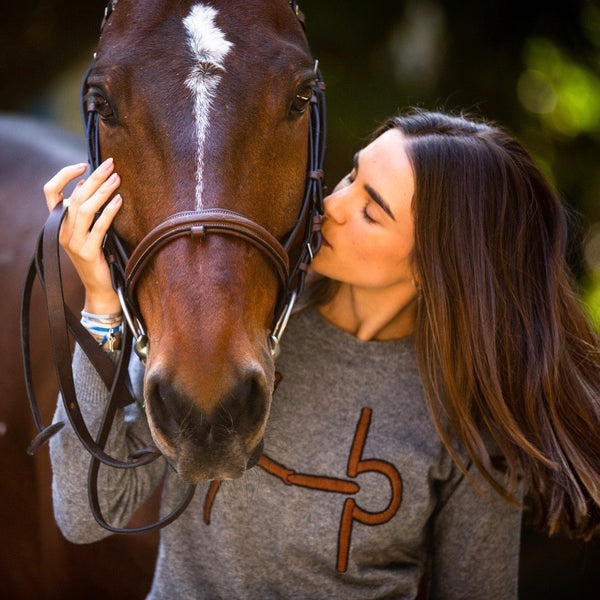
(351, 511)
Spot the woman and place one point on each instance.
(441, 357)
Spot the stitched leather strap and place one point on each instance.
(46, 264)
(199, 223)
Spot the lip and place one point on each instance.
(324, 241)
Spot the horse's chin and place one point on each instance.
(195, 465)
(195, 474)
(192, 472)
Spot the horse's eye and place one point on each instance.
(301, 101)
(99, 104)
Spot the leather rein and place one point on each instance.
(125, 272)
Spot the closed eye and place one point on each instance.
(366, 215)
(373, 194)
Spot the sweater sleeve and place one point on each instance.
(475, 542)
(121, 491)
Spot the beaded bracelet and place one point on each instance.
(105, 329)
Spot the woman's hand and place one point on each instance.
(81, 240)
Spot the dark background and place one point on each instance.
(533, 66)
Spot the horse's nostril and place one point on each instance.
(170, 411)
(245, 405)
(255, 402)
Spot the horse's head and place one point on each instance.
(205, 105)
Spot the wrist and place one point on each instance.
(102, 304)
(104, 328)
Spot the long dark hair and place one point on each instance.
(504, 347)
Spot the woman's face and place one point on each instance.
(368, 233)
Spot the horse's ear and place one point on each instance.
(107, 12)
(278, 378)
(298, 12)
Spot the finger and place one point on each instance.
(104, 221)
(82, 217)
(82, 212)
(89, 249)
(67, 201)
(53, 189)
(92, 183)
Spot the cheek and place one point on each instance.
(390, 255)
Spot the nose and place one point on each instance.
(239, 413)
(337, 205)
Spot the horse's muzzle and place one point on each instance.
(205, 441)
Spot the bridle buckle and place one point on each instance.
(135, 326)
(284, 317)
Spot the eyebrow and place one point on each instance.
(375, 196)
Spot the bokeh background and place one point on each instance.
(533, 66)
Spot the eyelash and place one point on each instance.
(366, 215)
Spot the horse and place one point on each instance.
(212, 147)
(206, 109)
(35, 560)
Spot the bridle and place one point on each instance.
(125, 272)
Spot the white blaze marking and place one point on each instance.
(209, 47)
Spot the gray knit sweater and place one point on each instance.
(354, 496)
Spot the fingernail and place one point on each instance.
(106, 164)
(113, 178)
(117, 199)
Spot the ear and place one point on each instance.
(415, 279)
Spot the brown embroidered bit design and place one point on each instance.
(210, 498)
(351, 511)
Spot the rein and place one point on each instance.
(125, 271)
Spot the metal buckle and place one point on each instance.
(136, 327)
(281, 324)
